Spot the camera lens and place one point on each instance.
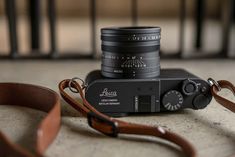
(130, 52)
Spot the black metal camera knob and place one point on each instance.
(172, 100)
(189, 87)
(201, 101)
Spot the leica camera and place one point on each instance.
(131, 81)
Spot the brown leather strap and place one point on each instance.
(35, 97)
(113, 127)
(221, 100)
(48, 101)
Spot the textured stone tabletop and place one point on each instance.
(211, 130)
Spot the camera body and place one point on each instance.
(173, 90)
(131, 80)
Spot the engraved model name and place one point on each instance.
(143, 38)
(107, 93)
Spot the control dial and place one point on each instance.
(189, 87)
(201, 101)
(172, 100)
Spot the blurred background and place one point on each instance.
(71, 29)
(197, 35)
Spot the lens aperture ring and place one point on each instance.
(130, 44)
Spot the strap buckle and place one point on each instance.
(97, 118)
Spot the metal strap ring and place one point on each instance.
(213, 82)
(74, 80)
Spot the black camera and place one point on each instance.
(131, 80)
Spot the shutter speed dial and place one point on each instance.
(172, 100)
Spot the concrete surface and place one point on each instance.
(211, 130)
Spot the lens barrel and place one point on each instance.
(130, 52)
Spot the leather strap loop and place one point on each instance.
(221, 100)
(112, 127)
(35, 97)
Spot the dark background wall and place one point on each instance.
(121, 8)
